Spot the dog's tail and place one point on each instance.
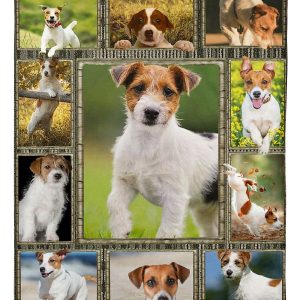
(72, 25)
(90, 278)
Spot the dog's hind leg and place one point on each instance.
(74, 41)
(118, 201)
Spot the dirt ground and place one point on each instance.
(120, 265)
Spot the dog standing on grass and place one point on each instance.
(42, 117)
(170, 166)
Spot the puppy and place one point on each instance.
(42, 117)
(149, 26)
(170, 166)
(260, 110)
(43, 204)
(53, 31)
(257, 19)
(245, 284)
(250, 214)
(57, 283)
(160, 282)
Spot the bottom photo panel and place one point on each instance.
(58, 274)
(240, 274)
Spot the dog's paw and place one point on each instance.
(28, 238)
(123, 44)
(51, 52)
(184, 45)
(264, 149)
(52, 237)
(167, 234)
(257, 141)
(52, 94)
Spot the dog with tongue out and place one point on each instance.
(260, 110)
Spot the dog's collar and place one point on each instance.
(266, 99)
(56, 25)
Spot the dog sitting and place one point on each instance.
(260, 110)
(149, 26)
(160, 282)
(252, 215)
(53, 31)
(57, 283)
(43, 204)
(245, 284)
(170, 166)
(257, 19)
(42, 117)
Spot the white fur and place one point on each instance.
(256, 215)
(247, 285)
(164, 294)
(42, 207)
(61, 284)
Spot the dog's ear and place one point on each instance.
(276, 12)
(136, 276)
(39, 256)
(182, 272)
(246, 257)
(269, 67)
(246, 66)
(35, 166)
(222, 252)
(258, 11)
(169, 25)
(185, 80)
(62, 253)
(54, 60)
(43, 7)
(59, 8)
(124, 74)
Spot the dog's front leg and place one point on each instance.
(44, 44)
(248, 38)
(232, 34)
(59, 46)
(118, 201)
(52, 228)
(254, 134)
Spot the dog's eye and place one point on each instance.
(43, 67)
(56, 13)
(47, 12)
(168, 92)
(275, 219)
(264, 82)
(51, 260)
(264, 28)
(237, 262)
(249, 81)
(139, 88)
(170, 281)
(62, 166)
(51, 67)
(157, 20)
(151, 283)
(140, 20)
(47, 167)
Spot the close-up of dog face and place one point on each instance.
(48, 67)
(263, 22)
(51, 15)
(233, 263)
(257, 83)
(159, 281)
(149, 25)
(50, 263)
(153, 92)
(53, 169)
(272, 218)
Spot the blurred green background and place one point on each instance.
(104, 119)
(237, 97)
(32, 21)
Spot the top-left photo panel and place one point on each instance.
(53, 25)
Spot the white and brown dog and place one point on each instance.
(42, 117)
(170, 166)
(260, 110)
(257, 19)
(57, 283)
(149, 26)
(160, 282)
(245, 284)
(43, 204)
(251, 214)
(53, 31)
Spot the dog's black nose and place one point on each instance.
(256, 94)
(51, 17)
(163, 298)
(57, 176)
(149, 33)
(42, 270)
(46, 73)
(151, 114)
(229, 272)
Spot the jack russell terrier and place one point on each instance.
(57, 283)
(43, 204)
(170, 166)
(149, 26)
(260, 110)
(245, 284)
(257, 19)
(54, 31)
(160, 282)
(42, 117)
(252, 215)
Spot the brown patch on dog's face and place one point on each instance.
(39, 256)
(137, 21)
(244, 258)
(224, 256)
(270, 216)
(274, 282)
(160, 21)
(263, 22)
(253, 79)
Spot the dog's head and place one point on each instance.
(160, 282)
(257, 83)
(272, 218)
(51, 15)
(50, 263)
(263, 22)
(153, 92)
(48, 67)
(53, 169)
(233, 263)
(149, 26)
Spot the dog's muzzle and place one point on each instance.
(57, 176)
(151, 116)
(149, 35)
(229, 273)
(43, 273)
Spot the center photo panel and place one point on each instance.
(151, 150)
